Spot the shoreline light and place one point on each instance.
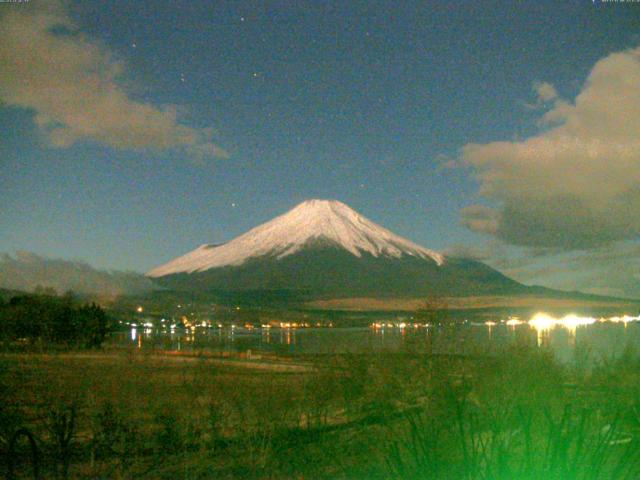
(542, 321)
(623, 319)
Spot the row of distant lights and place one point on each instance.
(246, 326)
(543, 322)
(540, 321)
(402, 325)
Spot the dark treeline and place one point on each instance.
(52, 320)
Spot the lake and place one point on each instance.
(595, 338)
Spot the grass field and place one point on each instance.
(517, 414)
(470, 303)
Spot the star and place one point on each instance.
(255, 74)
(242, 19)
(133, 45)
(233, 205)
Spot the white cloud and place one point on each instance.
(576, 184)
(545, 91)
(71, 82)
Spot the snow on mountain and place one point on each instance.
(327, 220)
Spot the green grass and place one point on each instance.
(515, 415)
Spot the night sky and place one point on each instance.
(132, 132)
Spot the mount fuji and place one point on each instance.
(323, 248)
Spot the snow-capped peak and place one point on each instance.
(329, 220)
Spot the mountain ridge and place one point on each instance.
(324, 271)
(293, 231)
(325, 249)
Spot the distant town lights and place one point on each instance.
(542, 321)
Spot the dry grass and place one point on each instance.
(363, 304)
(515, 414)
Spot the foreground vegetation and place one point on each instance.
(131, 414)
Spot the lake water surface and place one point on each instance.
(598, 340)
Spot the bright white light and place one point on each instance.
(542, 321)
(573, 321)
(624, 319)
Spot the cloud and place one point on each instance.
(467, 251)
(445, 162)
(609, 272)
(576, 184)
(71, 82)
(545, 91)
(480, 219)
(27, 271)
(601, 271)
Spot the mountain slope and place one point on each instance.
(285, 235)
(326, 249)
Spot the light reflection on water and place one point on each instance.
(601, 339)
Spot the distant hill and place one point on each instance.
(28, 271)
